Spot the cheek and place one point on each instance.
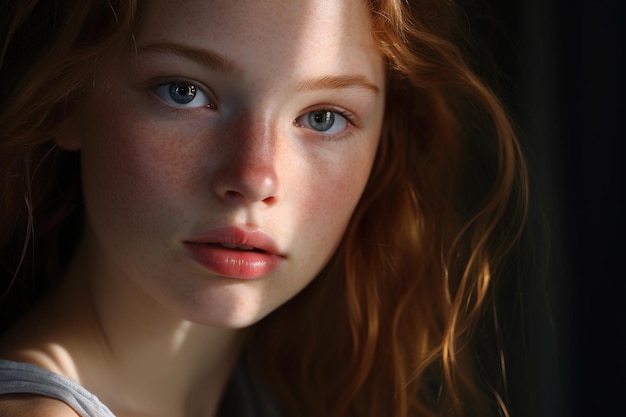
(332, 198)
(130, 170)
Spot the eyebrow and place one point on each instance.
(204, 57)
(222, 64)
(332, 82)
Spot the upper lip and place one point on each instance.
(234, 235)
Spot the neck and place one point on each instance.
(138, 357)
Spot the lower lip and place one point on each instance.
(234, 263)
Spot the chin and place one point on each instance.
(232, 314)
(237, 321)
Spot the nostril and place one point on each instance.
(269, 200)
(237, 196)
(233, 195)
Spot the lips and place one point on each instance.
(235, 252)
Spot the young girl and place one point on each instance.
(276, 208)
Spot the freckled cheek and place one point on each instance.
(332, 197)
(131, 172)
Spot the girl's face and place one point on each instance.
(223, 158)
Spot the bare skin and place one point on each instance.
(138, 321)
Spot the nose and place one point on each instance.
(247, 169)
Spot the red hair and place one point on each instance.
(47, 57)
(390, 327)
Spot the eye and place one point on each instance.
(183, 94)
(323, 121)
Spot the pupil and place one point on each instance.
(182, 93)
(322, 120)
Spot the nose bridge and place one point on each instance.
(248, 171)
(257, 138)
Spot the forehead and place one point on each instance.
(301, 34)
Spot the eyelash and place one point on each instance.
(346, 115)
(180, 107)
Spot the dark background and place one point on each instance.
(558, 67)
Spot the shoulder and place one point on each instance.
(27, 405)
